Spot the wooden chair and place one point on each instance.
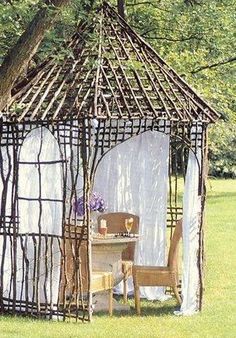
(158, 275)
(100, 281)
(116, 224)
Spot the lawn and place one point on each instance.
(218, 318)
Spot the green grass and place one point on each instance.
(218, 318)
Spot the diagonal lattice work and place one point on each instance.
(109, 72)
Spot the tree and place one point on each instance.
(196, 37)
(19, 56)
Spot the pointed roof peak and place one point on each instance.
(109, 72)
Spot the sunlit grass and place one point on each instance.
(218, 318)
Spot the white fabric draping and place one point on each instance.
(133, 177)
(5, 250)
(191, 210)
(6, 168)
(39, 145)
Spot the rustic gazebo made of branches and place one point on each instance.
(63, 118)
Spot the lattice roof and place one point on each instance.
(110, 73)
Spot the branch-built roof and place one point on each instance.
(109, 72)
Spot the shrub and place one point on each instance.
(222, 150)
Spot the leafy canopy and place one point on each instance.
(196, 37)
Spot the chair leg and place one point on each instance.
(137, 300)
(110, 302)
(176, 292)
(125, 290)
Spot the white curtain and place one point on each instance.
(7, 168)
(133, 177)
(191, 211)
(39, 145)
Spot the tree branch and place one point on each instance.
(180, 39)
(19, 56)
(121, 8)
(192, 2)
(214, 65)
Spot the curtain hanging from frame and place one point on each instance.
(191, 214)
(133, 177)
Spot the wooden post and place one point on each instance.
(86, 153)
(204, 172)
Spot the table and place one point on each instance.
(107, 256)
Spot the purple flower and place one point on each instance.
(96, 203)
(79, 206)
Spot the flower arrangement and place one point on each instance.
(96, 203)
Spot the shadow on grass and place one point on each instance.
(148, 308)
(213, 196)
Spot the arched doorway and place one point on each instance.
(133, 177)
(40, 208)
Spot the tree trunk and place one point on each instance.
(121, 8)
(19, 56)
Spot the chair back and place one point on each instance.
(116, 224)
(174, 246)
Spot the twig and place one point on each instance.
(214, 65)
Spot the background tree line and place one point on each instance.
(196, 37)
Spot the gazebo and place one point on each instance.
(64, 120)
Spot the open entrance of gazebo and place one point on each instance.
(77, 126)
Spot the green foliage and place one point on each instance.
(134, 65)
(222, 150)
(188, 34)
(14, 17)
(190, 37)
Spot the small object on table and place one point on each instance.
(129, 224)
(103, 227)
(126, 234)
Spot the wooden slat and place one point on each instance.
(108, 89)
